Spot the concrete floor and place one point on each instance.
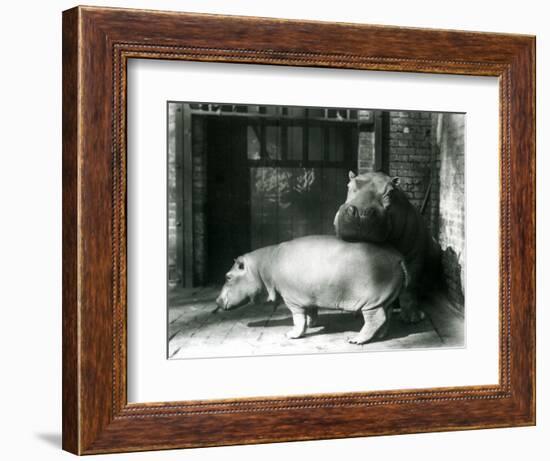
(197, 330)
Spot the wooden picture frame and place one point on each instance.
(97, 43)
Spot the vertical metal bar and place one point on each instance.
(305, 138)
(187, 196)
(352, 159)
(263, 150)
(385, 142)
(378, 160)
(325, 127)
(283, 139)
(179, 193)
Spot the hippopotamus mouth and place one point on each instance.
(222, 301)
(352, 224)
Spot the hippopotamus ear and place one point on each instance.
(395, 181)
(351, 175)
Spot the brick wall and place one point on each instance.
(174, 276)
(449, 153)
(432, 212)
(365, 144)
(407, 143)
(427, 150)
(410, 152)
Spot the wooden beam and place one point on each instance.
(187, 197)
(273, 118)
(179, 192)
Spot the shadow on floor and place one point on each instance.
(334, 323)
(51, 438)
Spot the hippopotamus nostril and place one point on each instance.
(352, 211)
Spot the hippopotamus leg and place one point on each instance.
(312, 315)
(300, 323)
(376, 324)
(408, 298)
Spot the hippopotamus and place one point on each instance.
(320, 271)
(377, 210)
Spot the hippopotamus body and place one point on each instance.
(377, 210)
(320, 271)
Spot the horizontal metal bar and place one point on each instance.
(277, 118)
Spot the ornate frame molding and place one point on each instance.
(97, 43)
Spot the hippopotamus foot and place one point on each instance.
(410, 313)
(376, 325)
(312, 315)
(412, 316)
(300, 325)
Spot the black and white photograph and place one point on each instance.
(301, 230)
(275, 230)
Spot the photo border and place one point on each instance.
(97, 43)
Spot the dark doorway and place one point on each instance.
(228, 192)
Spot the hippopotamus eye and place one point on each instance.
(241, 265)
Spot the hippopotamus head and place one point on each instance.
(365, 214)
(242, 285)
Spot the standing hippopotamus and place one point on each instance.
(377, 210)
(320, 271)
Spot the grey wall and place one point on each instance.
(449, 152)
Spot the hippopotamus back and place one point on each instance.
(325, 271)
